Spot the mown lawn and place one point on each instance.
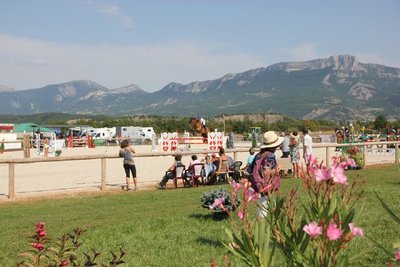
(170, 228)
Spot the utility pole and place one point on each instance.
(224, 122)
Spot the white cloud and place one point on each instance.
(113, 11)
(302, 52)
(27, 63)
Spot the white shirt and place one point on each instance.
(307, 145)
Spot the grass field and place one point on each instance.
(170, 228)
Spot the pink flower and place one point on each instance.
(235, 185)
(41, 233)
(40, 225)
(240, 215)
(38, 246)
(312, 162)
(356, 231)
(322, 174)
(333, 232)
(313, 229)
(397, 255)
(217, 203)
(338, 175)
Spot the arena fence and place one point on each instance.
(368, 149)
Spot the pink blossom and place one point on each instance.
(313, 229)
(356, 231)
(312, 162)
(338, 175)
(397, 255)
(322, 174)
(217, 203)
(240, 215)
(41, 233)
(38, 246)
(40, 225)
(333, 232)
(235, 185)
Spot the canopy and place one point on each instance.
(30, 127)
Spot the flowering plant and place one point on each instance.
(48, 252)
(315, 235)
(219, 200)
(320, 236)
(353, 152)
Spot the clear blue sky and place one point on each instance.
(151, 43)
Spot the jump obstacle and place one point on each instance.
(170, 141)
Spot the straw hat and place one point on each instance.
(271, 139)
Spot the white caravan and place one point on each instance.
(148, 132)
(103, 133)
(130, 132)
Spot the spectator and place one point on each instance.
(307, 146)
(171, 172)
(46, 147)
(294, 153)
(264, 160)
(188, 174)
(285, 145)
(127, 151)
(250, 159)
(209, 167)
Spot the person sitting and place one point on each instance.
(188, 174)
(209, 167)
(170, 173)
(222, 165)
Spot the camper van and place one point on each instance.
(134, 134)
(148, 132)
(80, 132)
(103, 133)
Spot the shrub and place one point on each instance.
(219, 200)
(47, 252)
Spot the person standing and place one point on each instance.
(294, 153)
(263, 164)
(285, 146)
(46, 147)
(307, 146)
(127, 152)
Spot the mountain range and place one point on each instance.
(334, 88)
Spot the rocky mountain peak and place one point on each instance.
(127, 89)
(338, 63)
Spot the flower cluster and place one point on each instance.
(333, 231)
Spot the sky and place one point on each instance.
(152, 43)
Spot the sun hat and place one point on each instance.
(271, 139)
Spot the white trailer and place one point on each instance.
(103, 133)
(148, 132)
(134, 134)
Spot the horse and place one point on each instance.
(198, 128)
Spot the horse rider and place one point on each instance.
(203, 122)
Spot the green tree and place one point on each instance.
(380, 122)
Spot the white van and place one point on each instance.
(148, 132)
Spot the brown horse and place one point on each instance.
(197, 128)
